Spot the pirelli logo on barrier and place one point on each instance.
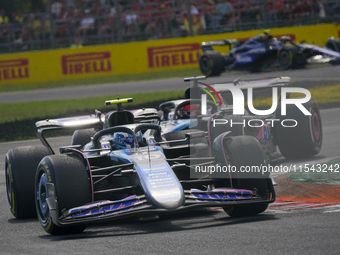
(173, 55)
(14, 69)
(81, 63)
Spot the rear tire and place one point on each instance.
(244, 151)
(21, 165)
(304, 140)
(72, 189)
(82, 136)
(212, 63)
(333, 44)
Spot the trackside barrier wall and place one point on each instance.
(132, 58)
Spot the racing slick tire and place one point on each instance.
(82, 136)
(219, 128)
(305, 139)
(333, 44)
(21, 165)
(289, 57)
(244, 151)
(72, 189)
(212, 63)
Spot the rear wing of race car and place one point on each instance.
(254, 84)
(242, 84)
(224, 90)
(208, 45)
(87, 121)
(96, 121)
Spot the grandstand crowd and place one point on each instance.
(67, 23)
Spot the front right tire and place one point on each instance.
(244, 151)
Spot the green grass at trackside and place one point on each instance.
(43, 109)
(107, 79)
(322, 95)
(29, 110)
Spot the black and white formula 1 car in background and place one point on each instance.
(115, 168)
(292, 133)
(265, 53)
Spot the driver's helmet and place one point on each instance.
(266, 31)
(123, 140)
(190, 111)
(265, 36)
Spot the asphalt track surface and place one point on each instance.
(282, 229)
(321, 75)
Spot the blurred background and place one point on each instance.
(44, 24)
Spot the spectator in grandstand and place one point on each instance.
(319, 9)
(206, 7)
(335, 9)
(88, 4)
(97, 6)
(176, 26)
(56, 6)
(198, 23)
(144, 17)
(129, 22)
(68, 4)
(226, 11)
(4, 28)
(274, 11)
(69, 21)
(46, 27)
(107, 26)
(283, 12)
(36, 25)
(25, 36)
(149, 19)
(3, 18)
(300, 11)
(254, 14)
(106, 6)
(86, 24)
(18, 17)
(163, 18)
(76, 44)
(17, 23)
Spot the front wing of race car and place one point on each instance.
(142, 205)
(139, 205)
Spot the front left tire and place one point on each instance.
(72, 189)
(212, 63)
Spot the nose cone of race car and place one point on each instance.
(159, 182)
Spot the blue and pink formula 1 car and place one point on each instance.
(265, 53)
(116, 167)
